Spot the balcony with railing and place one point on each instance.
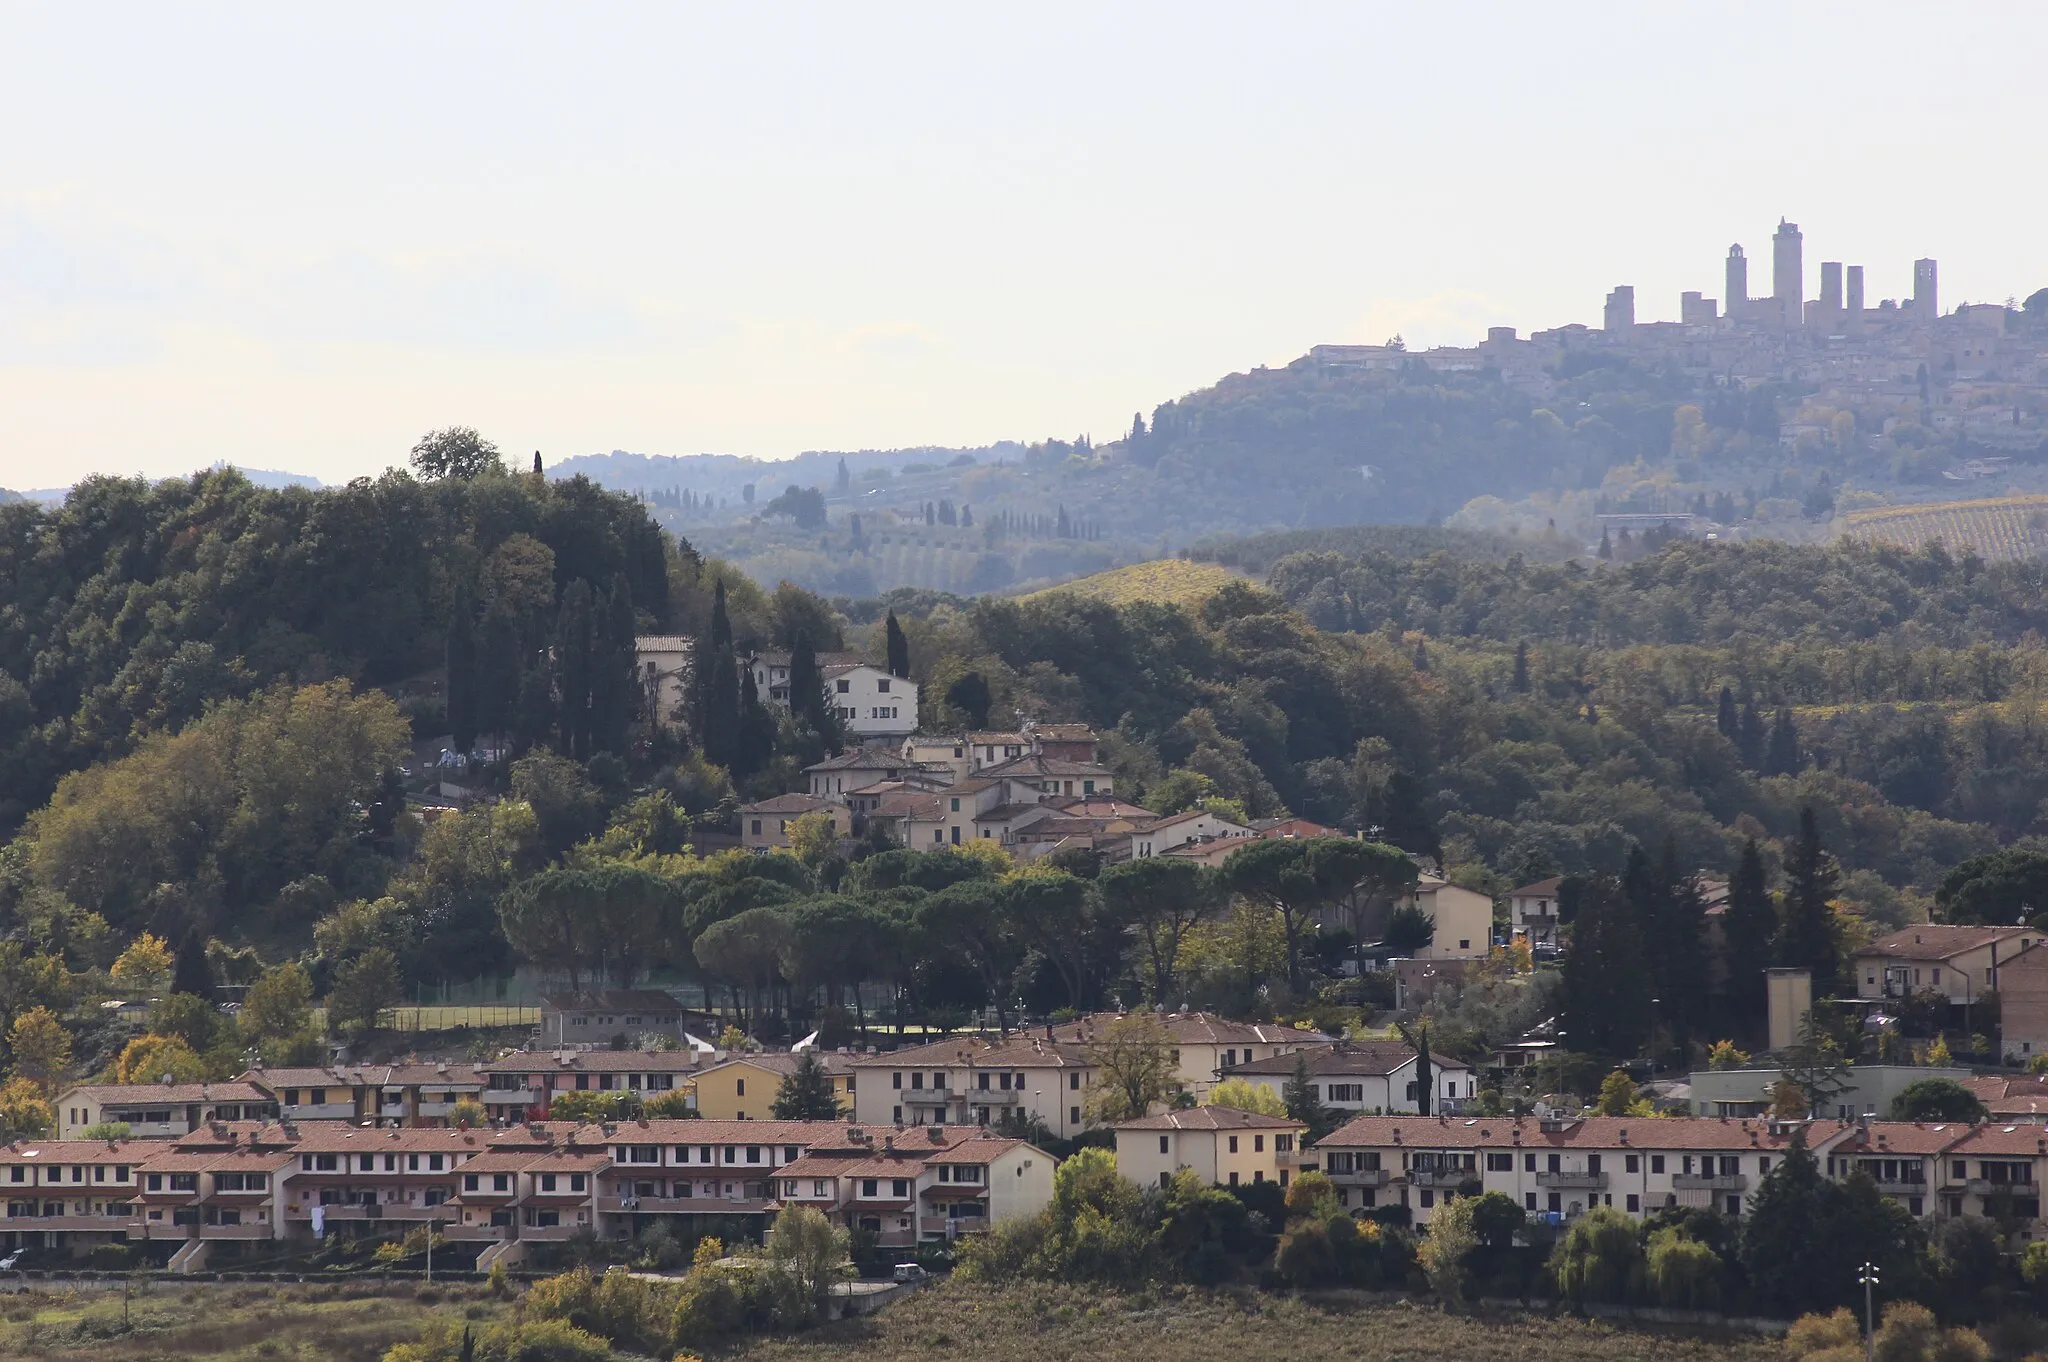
(1441, 1177)
(1576, 1179)
(1709, 1182)
(1359, 1177)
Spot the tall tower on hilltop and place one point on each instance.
(1737, 291)
(1621, 309)
(1788, 270)
(1852, 307)
(1831, 286)
(1926, 302)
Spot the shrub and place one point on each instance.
(548, 1340)
(1685, 1273)
(1907, 1333)
(1450, 1241)
(1812, 1334)
(1599, 1259)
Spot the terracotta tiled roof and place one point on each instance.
(1016, 1051)
(1939, 941)
(1212, 1118)
(1592, 1132)
(171, 1094)
(1335, 1061)
(1196, 1028)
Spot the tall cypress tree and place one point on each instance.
(1747, 929)
(806, 686)
(754, 741)
(1606, 981)
(1726, 719)
(1781, 755)
(899, 648)
(1749, 736)
(1521, 680)
(1676, 947)
(718, 710)
(1806, 930)
(614, 686)
(574, 665)
(721, 626)
(462, 674)
(499, 667)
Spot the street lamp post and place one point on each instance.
(1867, 1275)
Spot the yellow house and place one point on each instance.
(1204, 1044)
(743, 1088)
(1218, 1144)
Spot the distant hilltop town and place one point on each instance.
(1834, 345)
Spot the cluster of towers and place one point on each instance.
(1840, 306)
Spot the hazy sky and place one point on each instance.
(295, 237)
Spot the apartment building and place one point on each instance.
(1369, 1077)
(745, 1086)
(978, 1081)
(764, 824)
(938, 1182)
(76, 1192)
(1532, 911)
(1563, 1166)
(158, 1110)
(408, 1094)
(596, 1018)
(1205, 1045)
(520, 1086)
(1217, 1144)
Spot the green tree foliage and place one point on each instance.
(1302, 879)
(2000, 887)
(1937, 1099)
(1806, 1235)
(1606, 979)
(1806, 932)
(237, 805)
(455, 452)
(1599, 1259)
(805, 1093)
(1159, 899)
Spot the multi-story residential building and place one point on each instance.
(1192, 828)
(159, 1110)
(2023, 1004)
(1532, 911)
(1996, 1171)
(764, 825)
(1217, 1144)
(1867, 1091)
(640, 1015)
(744, 1087)
(1205, 1046)
(1563, 1166)
(871, 704)
(409, 1094)
(1960, 962)
(935, 1183)
(520, 1086)
(661, 663)
(1463, 919)
(1369, 1077)
(1902, 1158)
(860, 768)
(70, 1193)
(976, 1080)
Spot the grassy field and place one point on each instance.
(1994, 528)
(1031, 1323)
(1022, 1323)
(1165, 581)
(215, 1323)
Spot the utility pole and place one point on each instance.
(1867, 1275)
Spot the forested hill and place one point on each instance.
(1685, 593)
(133, 606)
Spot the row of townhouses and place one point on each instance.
(257, 1186)
(1567, 1165)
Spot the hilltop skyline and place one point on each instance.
(831, 235)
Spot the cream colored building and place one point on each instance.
(977, 1080)
(1532, 911)
(1959, 962)
(159, 1110)
(744, 1087)
(1217, 1144)
(1463, 918)
(1372, 1077)
(934, 1183)
(764, 826)
(662, 664)
(1204, 1044)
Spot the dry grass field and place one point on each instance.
(1993, 528)
(202, 1322)
(1036, 1323)
(1164, 581)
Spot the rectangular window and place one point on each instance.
(1632, 1162)
(1165, 1142)
(1635, 1203)
(1073, 1082)
(742, 1085)
(1258, 1144)
(1233, 1144)
(1073, 1116)
(1656, 1163)
(1500, 1163)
